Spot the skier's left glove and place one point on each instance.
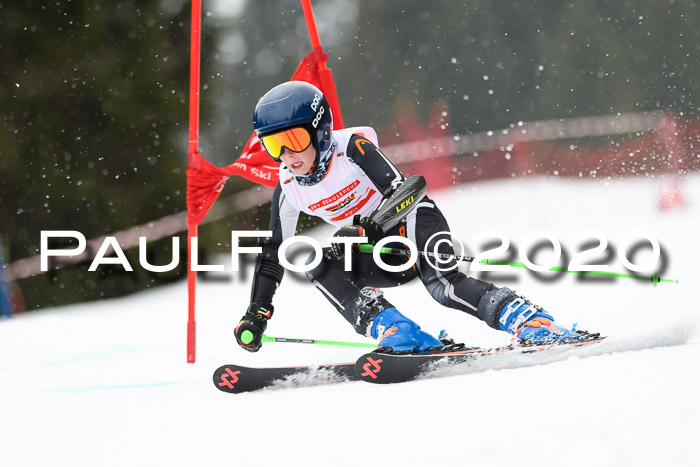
(364, 227)
(251, 327)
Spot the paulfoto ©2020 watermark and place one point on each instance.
(593, 245)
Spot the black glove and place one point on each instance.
(251, 327)
(364, 227)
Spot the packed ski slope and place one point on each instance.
(107, 383)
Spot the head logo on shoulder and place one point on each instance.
(359, 143)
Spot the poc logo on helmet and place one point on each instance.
(314, 104)
(314, 107)
(318, 117)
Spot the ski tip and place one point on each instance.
(227, 378)
(370, 368)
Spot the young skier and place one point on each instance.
(343, 178)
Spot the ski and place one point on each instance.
(237, 379)
(382, 366)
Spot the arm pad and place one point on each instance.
(404, 200)
(267, 277)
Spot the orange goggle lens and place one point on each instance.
(294, 139)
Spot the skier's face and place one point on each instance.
(299, 162)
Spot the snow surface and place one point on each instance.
(107, 383)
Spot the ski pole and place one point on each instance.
(317, 341)
(367, 248)
(655, 279)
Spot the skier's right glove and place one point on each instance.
(251, 327)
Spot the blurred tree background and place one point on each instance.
(94, 96)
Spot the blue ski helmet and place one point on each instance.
(295, 104)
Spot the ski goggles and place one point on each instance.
(295, 139)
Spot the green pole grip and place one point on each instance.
(247, 337)
(367, 248)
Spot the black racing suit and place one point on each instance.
(352, 293)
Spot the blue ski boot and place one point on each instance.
(528, 322)
(395, 330)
